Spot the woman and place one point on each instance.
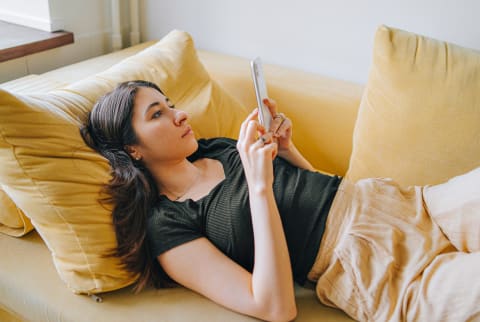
(239, 222)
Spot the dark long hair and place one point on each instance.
(131, 189)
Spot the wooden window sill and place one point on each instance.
(18, 41)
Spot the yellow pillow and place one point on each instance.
(56, 179)
(12, 220)
(419, 118)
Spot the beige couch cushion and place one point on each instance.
(419, 119)
(37, 294)
(323, 109)
(13, 221)
(56, 179)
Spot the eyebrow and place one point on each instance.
(150, 106)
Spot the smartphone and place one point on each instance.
(264, 115)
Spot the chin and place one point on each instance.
(192, 145)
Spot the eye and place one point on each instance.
(170, 104)
(157, 114)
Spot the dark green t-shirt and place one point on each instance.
(223, 216)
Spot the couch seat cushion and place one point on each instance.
(31, 290)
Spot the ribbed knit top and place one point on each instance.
(223, 216)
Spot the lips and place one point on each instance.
(187, 131)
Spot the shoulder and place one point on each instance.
(170, 225)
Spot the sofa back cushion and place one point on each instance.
(323, 109)
(56, 179)
(419, 118)
(13, 221)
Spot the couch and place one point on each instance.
(53, 270)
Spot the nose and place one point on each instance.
(180, 117)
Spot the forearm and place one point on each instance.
(294, 156)
(272, 279)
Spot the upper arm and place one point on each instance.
(201, 267)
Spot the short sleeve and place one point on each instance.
(168, 228)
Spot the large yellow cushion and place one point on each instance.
(56, 179)
(419, 118)
(13, 221)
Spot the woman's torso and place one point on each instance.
(223, 214)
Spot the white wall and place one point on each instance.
(89, 20)
(326, 37)
(31, 13)
(322, 36)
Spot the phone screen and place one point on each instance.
(265, 117)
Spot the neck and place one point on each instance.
(175, 179)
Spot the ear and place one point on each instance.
(134, 154)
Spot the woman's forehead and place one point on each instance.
(148, 93)
(146, 96)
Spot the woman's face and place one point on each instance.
(163, 132)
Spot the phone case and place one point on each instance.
(264, 115)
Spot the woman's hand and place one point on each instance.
(280, 127)
(257, 150)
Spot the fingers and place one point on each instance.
(266, 138)
(277, 121)
(271, 148)
(265, 142)
(280, 124)
(284, 126)
(253, 127)
(243, 128)
(253, 134)
(249, 132)
(257, 149)
(271, 104)
(268, 144)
